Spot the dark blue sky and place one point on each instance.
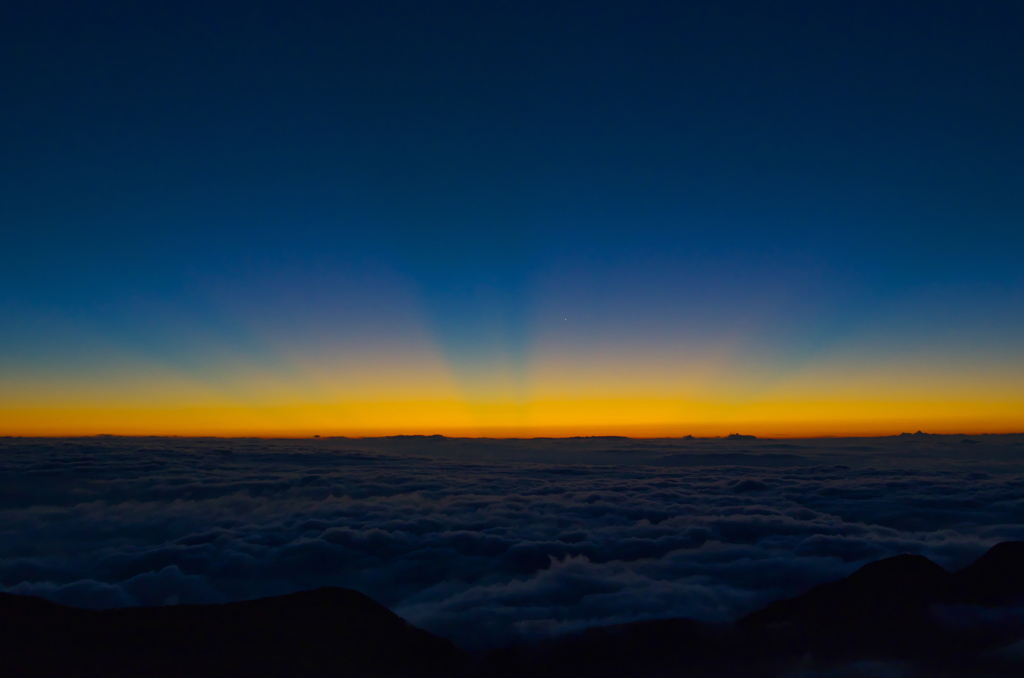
(651, 165)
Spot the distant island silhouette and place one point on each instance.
(904, 609)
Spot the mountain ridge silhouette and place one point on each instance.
(903, 609)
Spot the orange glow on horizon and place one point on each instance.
(641, 418)
(408, 385)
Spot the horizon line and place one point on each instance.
(729, 436)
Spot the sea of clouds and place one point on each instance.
(489, 542)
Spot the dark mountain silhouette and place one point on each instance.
(324, 632)
(904, 609)
(997, 578)
(907, 608)
(898, 609)
(881, 608)
(664, 647)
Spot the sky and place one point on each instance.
(511, 218)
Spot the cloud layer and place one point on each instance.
(484, 542)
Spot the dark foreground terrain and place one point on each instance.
(901, 616)
(490, 542)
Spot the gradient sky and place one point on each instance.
(511, 218)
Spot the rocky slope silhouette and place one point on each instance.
(324, 632)
(904, 612)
